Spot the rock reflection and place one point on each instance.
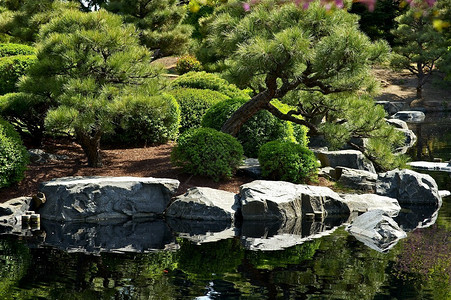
(95, 238)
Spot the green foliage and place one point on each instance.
(194, 103)
(187, 64)
(205, 151)
(14, 263)
(11, 49)
(26, 112)
(145, 120)
(204, 80)
(13, 155)
(260, 129)
(11, 69)
(287, 161)
(88, 62)
(159, 23)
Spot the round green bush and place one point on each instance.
(187, 64)
(288, 161)
(13, 155)
(11, 69)
(260, 129)
(193, 105)
(145, 120)
(10, 49)
(204, 80)
(208, 152)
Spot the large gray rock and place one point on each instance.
(94, 199)
(412, 116)
(202, 203)
(345, 158)
(356, 179)
(280, 200)
(367, 202)
(376, 230)
(408, 187)
(392, 107)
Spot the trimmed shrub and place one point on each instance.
(13, 155)
(26, 112)
(204, 80)
(10, 49)
(205, 151)
(145, 120)
(287, 161)
(260, 129)
(187, 64)
(193, 105)
(11, 69)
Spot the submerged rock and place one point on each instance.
(408, 187)
(280, 200)
(94, 199)
(376, 230)
(202, 203)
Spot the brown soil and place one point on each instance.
(140, 162)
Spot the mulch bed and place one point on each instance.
(139, 162)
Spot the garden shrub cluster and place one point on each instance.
(205, 151)
(11, 49)
(204, 80)
(11, 69)
(260, 129)
(145, 120)
(288, 161)
(13, 155)
(187, 63)
(194, 103)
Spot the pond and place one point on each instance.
(319, 260)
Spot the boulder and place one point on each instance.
(202, 203)
(251, 168)
(280, 200)
(431, 166)
(40, 157)
(411, 116)
(408, 187)
(94, 199)
(392, 107)
(345, 158)
(11, 215)
(356, 179)
(376, 230)
(366, 202)
(397, 123)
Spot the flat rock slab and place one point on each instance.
(367, 202)
(94, 199)
(352, 159)
(411, 116)
(409, 187)
(202, 203)
(376, 230)
(431, 166)
(280, 200)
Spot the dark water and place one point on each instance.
(330, 264)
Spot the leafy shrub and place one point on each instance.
(141, 119)
(187, 64)
(13, 155)
(260, 129)
(16, 49)
(193, 105)
(11, 69)
(299, 131)
(204, 80)
(287, 161)
(26, 112)
(205, 151)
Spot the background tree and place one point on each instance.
(280, 49)
(159, 22)
(87, 63)
(420, 46)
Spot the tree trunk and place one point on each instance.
(419, 92)
(233, 125)
(91, 147)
